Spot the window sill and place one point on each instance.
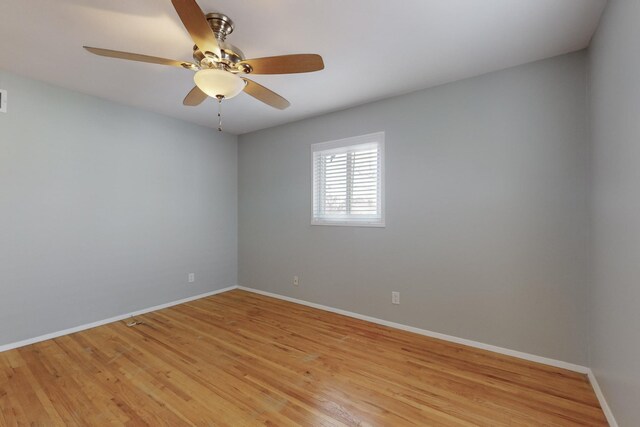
(349, 223)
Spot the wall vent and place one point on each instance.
(3, 101)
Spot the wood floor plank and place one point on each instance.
(243, 359)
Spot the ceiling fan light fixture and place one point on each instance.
(217, 83)
(216, 62)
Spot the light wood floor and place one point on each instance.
(241, 359)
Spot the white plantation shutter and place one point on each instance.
(348, 181)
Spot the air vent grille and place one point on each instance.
(3, 101)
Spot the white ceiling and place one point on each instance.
(372, 49)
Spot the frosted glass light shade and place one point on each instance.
(216, 82)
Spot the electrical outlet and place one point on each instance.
(395, 297)
(192, 277)
(295, 281)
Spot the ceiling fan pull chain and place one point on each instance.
(220, 98)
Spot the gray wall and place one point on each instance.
(615, 124)
(105, 209)
(486, 198)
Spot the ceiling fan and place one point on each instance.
(219, 64)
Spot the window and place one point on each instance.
(348, 181)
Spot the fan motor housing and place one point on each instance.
(231, 55)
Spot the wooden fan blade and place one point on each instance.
(140, 58)
(196, 24)
(265, 95)
(194, 97)
(285, 64)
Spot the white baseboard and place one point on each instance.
(29, 341)
(603, 402)
(463, 341)
(519, 354)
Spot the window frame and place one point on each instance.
(376, 137)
